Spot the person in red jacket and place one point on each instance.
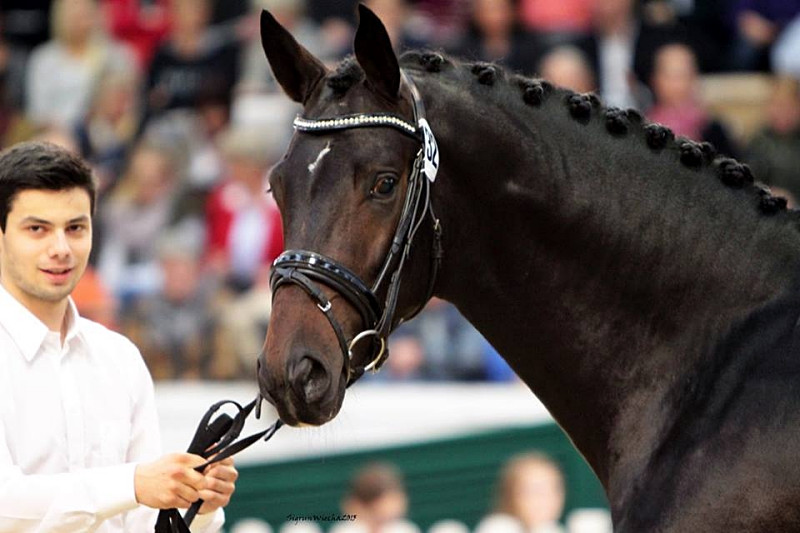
(243, 224)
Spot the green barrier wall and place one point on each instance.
(453, 478)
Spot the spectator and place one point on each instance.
(24, 25)
(757, 24)
(532, 492)
(175, 324)
(785, 56)
(568, 67)
(135, 214)
(376, 498)
(621, 49)
(94, 301)
(774, 152)
(406, 361)
(677, 103)
(495, 35)
(243, 236)
(256, 75)
(244, 232)
(558, 22)
(193, 65)
(64, 72)
(396, 17)
(141, 25)
(452, 347)
(104, 136)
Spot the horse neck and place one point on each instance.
(600, 270)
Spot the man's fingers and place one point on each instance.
(188, 476)
(222, 471)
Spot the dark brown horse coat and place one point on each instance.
(642, 286)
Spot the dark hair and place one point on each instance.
(374, 481)
(42, 166)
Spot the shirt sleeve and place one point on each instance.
(74, 501)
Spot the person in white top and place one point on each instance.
(79, 439)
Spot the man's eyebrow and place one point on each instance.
(34, 220)
(37, 220)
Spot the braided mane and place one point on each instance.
(584, 108)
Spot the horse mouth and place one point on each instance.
(291, 401)
(297, 414)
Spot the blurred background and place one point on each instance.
(173, 104)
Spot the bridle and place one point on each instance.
(306, 269)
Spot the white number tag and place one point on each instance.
(431, 166)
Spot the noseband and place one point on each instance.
(306, 268)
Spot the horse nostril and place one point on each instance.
(310, 380)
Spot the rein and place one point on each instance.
(210, 438)
(303, 267)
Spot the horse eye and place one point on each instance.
(384, 186)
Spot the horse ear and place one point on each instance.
(375, 54)
(295, 68)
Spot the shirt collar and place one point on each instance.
(25, 329)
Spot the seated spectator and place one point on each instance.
(774, 152)
(621, 49)
(677, 105)
(531, 493)
(109, 128)
(785, 54)
(256, 75)
(174, 325)
(243, 236)
(24, 25)
(452, 347)
(63, 73)
(377, 498)
(141, 25)
(406, 360)
(94, 301)
(495, 35)
(138, 210)
(244, 232)
(568, 67)
(193, 64)
(396, 18)
(757, 24)
(558, 22)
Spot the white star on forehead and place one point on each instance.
(322, 154)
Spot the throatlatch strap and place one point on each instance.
(214, 440)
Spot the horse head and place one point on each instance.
(352, 195)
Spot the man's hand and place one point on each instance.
(220, 478)
(170, 482)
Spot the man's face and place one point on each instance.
(45, 246)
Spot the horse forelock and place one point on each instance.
(347, 74)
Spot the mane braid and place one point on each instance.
(618, 122)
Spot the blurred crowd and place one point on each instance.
(529, 497)
(173, 104)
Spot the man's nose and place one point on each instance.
(59, 247)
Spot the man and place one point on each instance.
(79, 442)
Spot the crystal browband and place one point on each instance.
(356, 121)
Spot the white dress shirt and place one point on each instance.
(75, 419)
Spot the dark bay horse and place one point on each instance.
(642, 286)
